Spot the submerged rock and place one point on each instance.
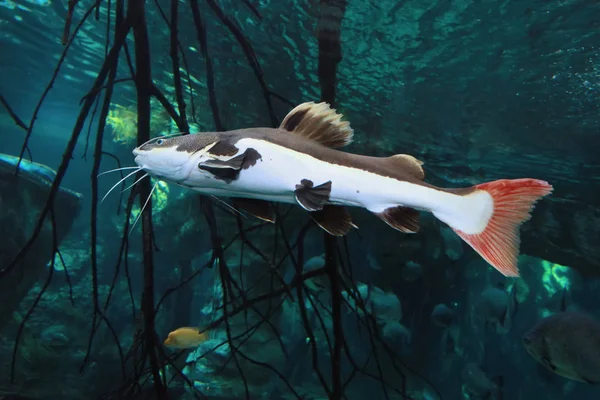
(22, 199)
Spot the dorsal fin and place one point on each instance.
(409, 164)
(320, 123)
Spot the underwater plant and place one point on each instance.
(123, 121)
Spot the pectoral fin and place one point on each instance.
(228, 169)
(219, 170)
(310, 197)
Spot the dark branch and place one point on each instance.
(12, 114)
(210, 75)
(250, 56)
(143, 85)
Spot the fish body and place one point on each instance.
(286, 160)
(185, 338)
(442, 315)
(568, 344)
(299, 163)
(477, 384)
(493, 305)
(411, 271)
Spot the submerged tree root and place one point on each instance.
(145, 361)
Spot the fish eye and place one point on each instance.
(160, 141)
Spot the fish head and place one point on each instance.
(160, 158)
(539, 346)
(174, 159)
(531, 343)
(170, 340)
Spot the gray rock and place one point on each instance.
(22, 198)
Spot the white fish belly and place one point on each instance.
(274, 177)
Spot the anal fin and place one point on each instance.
(335, 220)
(404, 219)
(310, 197)
(261, 209)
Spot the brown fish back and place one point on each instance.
(401, 167)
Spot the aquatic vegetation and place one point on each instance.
(555, 277)
(10, 4)
(123, 121)
(160, 198)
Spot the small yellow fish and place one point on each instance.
(185, 338)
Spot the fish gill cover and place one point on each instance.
(90, 290)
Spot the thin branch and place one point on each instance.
(183, 125)
(37, 298)
(68, 153)
(143, 85)
(250, 56)
(67, 29)
(210, 76)
(49, 87)
(252, 8)
(13, 115)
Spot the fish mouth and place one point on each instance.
(159, 176)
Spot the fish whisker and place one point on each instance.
(117, 170)
(118, 183)
(143, 208)
(229, 206)
(134, 183)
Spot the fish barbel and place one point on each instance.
(299, 163)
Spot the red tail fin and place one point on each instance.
(513, 200)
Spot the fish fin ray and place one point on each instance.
(260, 209)
(234, 163)
(319, 122)
(310, 197)
(335, 220)
(513, 201)
(409, 164)
(220, 171)
(404, 219)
